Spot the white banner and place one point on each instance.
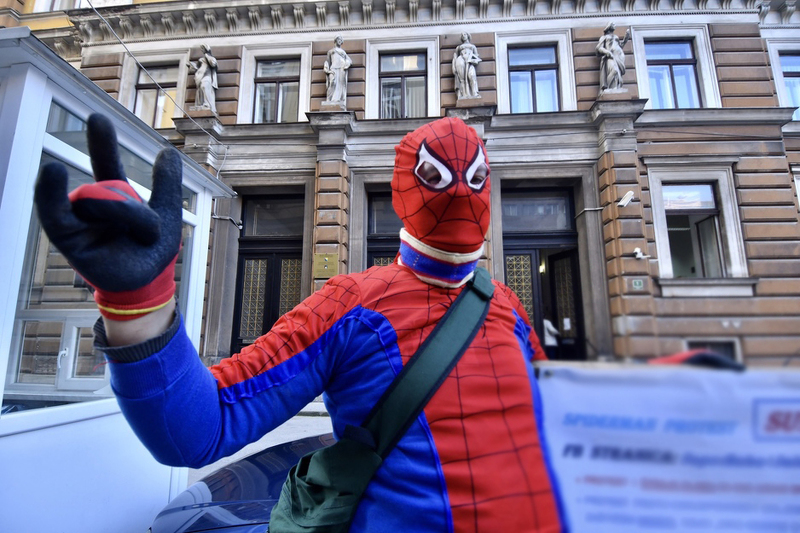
(674, 449)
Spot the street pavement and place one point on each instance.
(313, 420)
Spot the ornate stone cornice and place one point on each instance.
(177, 19)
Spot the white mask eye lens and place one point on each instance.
(431, 171)
(477, 172)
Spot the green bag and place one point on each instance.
(322, 491)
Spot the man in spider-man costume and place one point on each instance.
(472, 462)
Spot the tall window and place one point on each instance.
(693, 230)
(672, 71)
(153, 105)
(790, 66)
(533, 79)
(51, 350)
(277, 88)
(383, 229)
(403, 85)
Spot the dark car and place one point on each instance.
(239, 497)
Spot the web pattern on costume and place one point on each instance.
(482, 418)
(455, 210)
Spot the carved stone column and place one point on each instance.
(331, 213)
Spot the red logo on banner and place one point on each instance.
(783, 422)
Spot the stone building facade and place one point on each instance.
(643, 221)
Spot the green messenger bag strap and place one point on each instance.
(322, 491)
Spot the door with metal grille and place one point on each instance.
(269, 266)
(541, 263)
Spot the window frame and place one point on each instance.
(532, 69)
(153, 58)
(403, 75)
(691, 171)
(264, 51)
(697, 245)
(708, 86)
(376, 47)
(48, 6)
(734, 341)
(670, 63)
(776, 48)
(65, 388)
(151, 85)
(785, 74)
(278, 81)
(562, 40)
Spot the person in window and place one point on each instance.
(612, 58)
(336, 66)
(205, 79)
(465, 60)
(472, 461)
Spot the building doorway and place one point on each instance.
(541, 263)
(269, 270)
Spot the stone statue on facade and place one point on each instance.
(465, 60)
(205, 80)
(336, 66)
(612, 59)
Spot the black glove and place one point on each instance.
(125, 248)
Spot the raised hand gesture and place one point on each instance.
(125, 248)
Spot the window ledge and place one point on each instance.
(706, 116)
(707, 288)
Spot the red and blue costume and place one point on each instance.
(474, 461)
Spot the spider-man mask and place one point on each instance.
(440, 187)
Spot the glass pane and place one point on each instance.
(86, 363)
(519, 279)
(415, 97)
(165, 108)
(182, 264)
(145, 107)
(402, 62)
(521, 93)
(291, 270)
(382, 218)
(709, 247)
(51, 283)
(64, 126)
(274, 217)
(61, 122)
(390, 97)
(790, 63)
(660, 87)
(38, 362)
(793, 90)
(277, 68)
(686, 86)
(661, 51)
(689, 196)
(254, 281)
(289, 101)
(681, 248)
(266, 93)
(726, 348)
(539, 213)
(546, 91)
(160, 75)
(540, 55)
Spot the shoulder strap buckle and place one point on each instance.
(482, 283)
